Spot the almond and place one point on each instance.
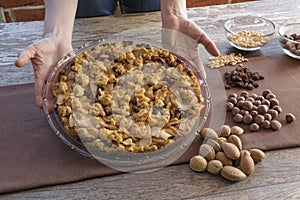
(246, 162)
(214, 167)
(225, 131)
(207, 152)
(232, 173)
(236, 130)
(208, 133)
(224, 159)
(234, 139)
(221, 139)
(230, 150)
(198, 163)
(214, 144)
(257, 155)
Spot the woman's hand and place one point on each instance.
(44, 56)
(181, 35)
(191, 29)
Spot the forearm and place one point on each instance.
(59, 18)
(173, 8)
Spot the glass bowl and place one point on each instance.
(290, 39)
(248, 33)
(76, 120)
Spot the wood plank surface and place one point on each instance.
(277, 177)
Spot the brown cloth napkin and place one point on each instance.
(31, 156)
(282, 75)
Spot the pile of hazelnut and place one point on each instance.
(293, 47)
(257, 111)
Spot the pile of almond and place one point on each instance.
(222, 153)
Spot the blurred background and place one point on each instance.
(32, 10)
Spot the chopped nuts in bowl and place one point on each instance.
(290, 39)
(248, 33)
(131, 105)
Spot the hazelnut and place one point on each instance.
(247, 105)
(277, 108)
(275, 125)
(270, 96)
(274, 102)
(238, 118)
(259, 119)
(244, 112)
(253, 95)
(254, 127)
(247, 119)
(257, 102)
(268, 116)
(265, 102)
(262, 109)
(234, 95)
(273, 113)
(254, 107)
(266, 92)
(229, 106)
(244, 93)
(240, 104)
(290, 117)
(232, 100)
(266, 124)
(235, 111)
(260, 98)
(251, 99)
(241, 98)
(254, 113)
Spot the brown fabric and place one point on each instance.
(282, 75)
(32, 156)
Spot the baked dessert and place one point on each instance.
(126, 96)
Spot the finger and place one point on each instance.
(39, 89)
(24, 57)
(195, 32)
(208, 44)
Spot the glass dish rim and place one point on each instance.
(250, 16)
(281, 34)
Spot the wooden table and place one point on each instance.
(277, 177)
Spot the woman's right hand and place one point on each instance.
(44, 55)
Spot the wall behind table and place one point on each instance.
(31, 10)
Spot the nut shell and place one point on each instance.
(275, 125)
(290, 117)
(223, 158)
(198, 163)
(225, 131)
(207, 152)
(236, 130)
(246, 162)
(257, 155)
(214, 144)
(234, 139)
(230, 150)
(208, 133)
(214, 167)
(232, 173)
